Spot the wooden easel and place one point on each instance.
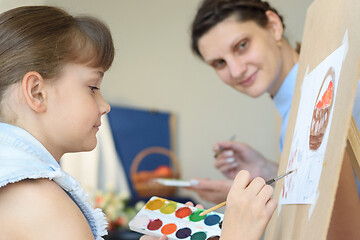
(353, 147)
(345, 217)
(327, 22)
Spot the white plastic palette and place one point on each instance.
(161, 216)
(173, 182)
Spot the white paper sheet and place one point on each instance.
(306, 156)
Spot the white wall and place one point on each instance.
(155, 68)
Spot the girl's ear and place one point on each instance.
(275, 25)
(33, 86)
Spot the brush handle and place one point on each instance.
(213, 208)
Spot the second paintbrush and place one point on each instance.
(221, 149)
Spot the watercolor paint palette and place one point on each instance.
(160, 216)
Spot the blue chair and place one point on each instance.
(139, 134)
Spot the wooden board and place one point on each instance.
(327, 21)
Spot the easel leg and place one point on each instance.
(353, 147)
(345, 219)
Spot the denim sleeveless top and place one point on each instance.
(23, 157)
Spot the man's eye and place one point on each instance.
(92, 88)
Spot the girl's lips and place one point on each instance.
(97, 126)
(249, 81)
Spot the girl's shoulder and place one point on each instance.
(40, 209)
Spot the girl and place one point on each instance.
(52, 66)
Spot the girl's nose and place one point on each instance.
(104, 106)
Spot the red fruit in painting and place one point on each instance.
(327, 97)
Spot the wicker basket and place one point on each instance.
(143, 181)
(320, 117)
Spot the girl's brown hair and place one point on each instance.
(44, 39)
(212, 12)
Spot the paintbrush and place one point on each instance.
(221, 149)
(224, 203)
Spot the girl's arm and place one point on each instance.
(40, 210)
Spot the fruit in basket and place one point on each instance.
(144, 180)
(160, 172)
(321, 113)
(326, 98)
(163, 171)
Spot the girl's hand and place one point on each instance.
(249, 208)
(190, 204)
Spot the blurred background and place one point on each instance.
(154, 69)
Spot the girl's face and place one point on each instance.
(244, 55)
(75, 106)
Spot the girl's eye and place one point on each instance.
(92, 88)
